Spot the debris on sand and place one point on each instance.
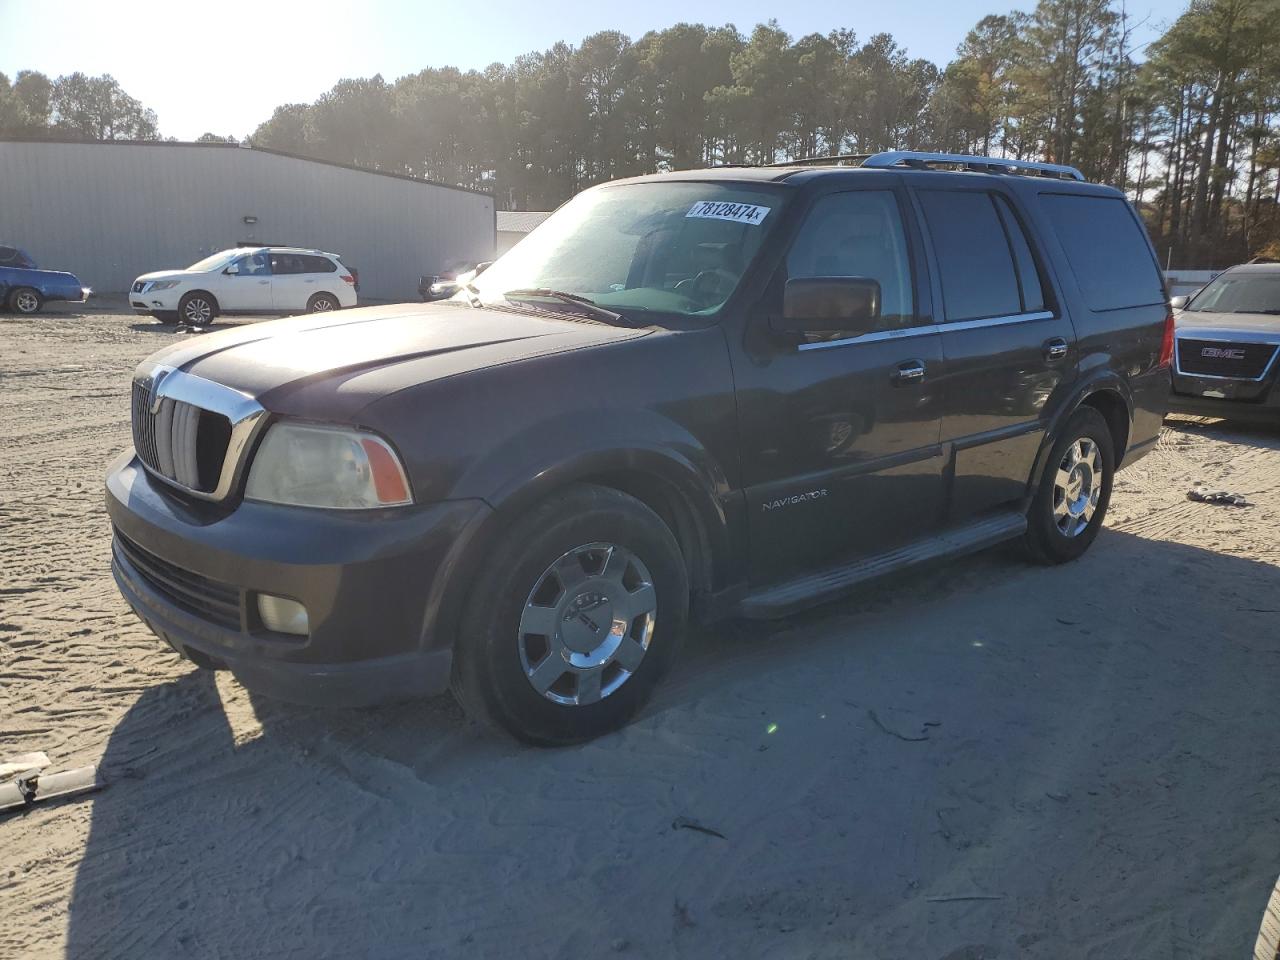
(23, 781)
(684, 823)
(1202, 494)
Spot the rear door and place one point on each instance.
(839, 433)
(1010, 351)
(288, 282)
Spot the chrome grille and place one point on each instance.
(1223, 359)
(180, 441)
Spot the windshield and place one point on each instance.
(1239, 293)
(214, 261)
(676, 248)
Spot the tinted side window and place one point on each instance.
(284, 263)
(858, 234)
(1107, 250)
(313, 264)
(8, 255)
(1028, 274)
(974, 261)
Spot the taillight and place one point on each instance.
(1166, 345)
(347, 278)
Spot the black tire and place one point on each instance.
(323, 303)
(1045, 539)
(192, 314)
(25, 300)
(489, 675)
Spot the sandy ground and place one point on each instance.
(981, 760)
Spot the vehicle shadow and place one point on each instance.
(982, 758)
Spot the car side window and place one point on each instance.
(309, 263)
(254, 265)
(975, 262)
(858, 234)
(1029, 283)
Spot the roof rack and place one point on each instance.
(912, 158)
(834, 160)
(922, 161)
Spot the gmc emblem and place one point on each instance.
(1222, 353)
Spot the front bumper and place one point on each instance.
(1250, 400)
(155, 301)
(371, 583)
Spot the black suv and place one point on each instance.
(732, 392)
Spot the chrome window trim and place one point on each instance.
(930, 328)
(246, 415)
(1243, 337)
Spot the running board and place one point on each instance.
(794, 595)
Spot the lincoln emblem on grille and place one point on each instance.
(1222, 353)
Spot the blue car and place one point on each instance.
(24, 287)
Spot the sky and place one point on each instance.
(224, 68)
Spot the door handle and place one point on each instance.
(909, 371)
(1055, 348)
(264, 281)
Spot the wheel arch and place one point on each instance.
(1109, 394)
(217, 307)
(667, 484)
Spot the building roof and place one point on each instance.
(520, 221)
(219, 145)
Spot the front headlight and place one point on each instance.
(162, 285)
(313, 466)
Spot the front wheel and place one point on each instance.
(197, 309)
(25, 300)
(1071, 502)
(576, 616)
(322, 303)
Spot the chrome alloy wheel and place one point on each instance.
(1077, 487)
(587, 624)
(323, 305)
(198, 311)
(26, 301)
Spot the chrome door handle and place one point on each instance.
(909, 371)
(1055, 348)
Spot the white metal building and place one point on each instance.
(111, 211)
(514, 224)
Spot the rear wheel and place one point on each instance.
(25, 300)
(322, 303)
(578, 613)
(197, 309)
(1071, 503)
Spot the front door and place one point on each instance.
(246, 284)
(839, 433)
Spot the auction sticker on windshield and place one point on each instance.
(723, 210)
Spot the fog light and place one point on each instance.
(282, 615)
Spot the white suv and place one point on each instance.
(246, 280)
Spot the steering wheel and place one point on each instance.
(708, 286)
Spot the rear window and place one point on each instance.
(1107, 250)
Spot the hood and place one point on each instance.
(163, 275)
(331, 365)
(1189, 322)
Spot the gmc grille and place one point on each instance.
(1214, 358)
(208, 599)
(181, 442)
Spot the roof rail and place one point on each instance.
(834, 159)
(912, 158)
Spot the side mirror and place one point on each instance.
(482, 267)
(232, 270)
(829, 305)
(1177, 303)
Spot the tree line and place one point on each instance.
(1187, 126)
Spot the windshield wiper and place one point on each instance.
(593, 308)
